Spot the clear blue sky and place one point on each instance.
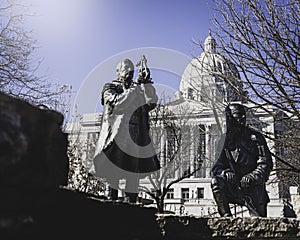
(75, 36)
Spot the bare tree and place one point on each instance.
(261, 38)
(18, 67)
(169, 131)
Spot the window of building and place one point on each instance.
(190, 93)
(200, 193)
(185, 194)
(200, 157)
(185, 150)
(219, 66)
(170, 194)
(170, 150)
(171, 142)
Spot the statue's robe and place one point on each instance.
(124, 142)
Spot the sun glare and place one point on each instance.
(57, 18)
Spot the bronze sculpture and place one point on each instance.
(240, 173)
(124, 138)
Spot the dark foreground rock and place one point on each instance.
(33, 148)
(64, 214)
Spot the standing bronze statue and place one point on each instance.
(240, 173)
(124, 147)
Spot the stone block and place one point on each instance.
(33, 146)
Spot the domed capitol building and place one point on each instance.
(209, 82)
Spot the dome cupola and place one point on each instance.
(210, 45)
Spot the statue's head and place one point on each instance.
(125, 71)
(235, 120)
(236, 114)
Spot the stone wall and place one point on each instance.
(64, 214)
(197, 228)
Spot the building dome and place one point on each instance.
(211, 76)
